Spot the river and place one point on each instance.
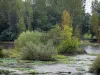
(79, 65)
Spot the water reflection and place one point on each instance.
(92, 49)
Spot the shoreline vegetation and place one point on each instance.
(38, 34)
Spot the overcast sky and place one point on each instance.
(88, 5)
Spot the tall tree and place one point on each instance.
(28, 14)
(16, 17)
(96, 19)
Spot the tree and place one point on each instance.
(66, 18)
(16, 17)
(86, 25)
(66, 30)
(76, 10)
(28, 13)
(96, 19)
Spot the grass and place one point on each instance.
(26, 65)
(64, 59)
(8, 60)
(5, 72)
(23, 69)
(59, 59)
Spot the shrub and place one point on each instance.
(1, 54)
(54, 34)
(39, 52)
(5, 53)
(87, 36)
(96, 65)
(68, 46)
(80, 51)
(13, 53)
(27, 37)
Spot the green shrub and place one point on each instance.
(13, 53)
(80, 51)
(5, 53)
(87, 36)
(39, 52)
(96, 65)
(68, 46)
(34, 37)
(1, 54)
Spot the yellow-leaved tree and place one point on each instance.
(66, 29)
(68, 43)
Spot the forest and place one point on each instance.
(47, 32)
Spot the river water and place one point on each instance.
(79, 64)
(92, 49)
(79, 67)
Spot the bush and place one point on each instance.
(96, 65)
(39, 52)
(5, 53)
(80, 51)
(68, 46)
(34, 37)
(14, 53)
(29, 46)
(1, 54)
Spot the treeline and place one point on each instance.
(17, 16)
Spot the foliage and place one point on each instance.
(96, 18)
(61, 57)
(28, 36)
(66, 18)
(96, 65)
(95, 22)
(54, 34)
(66, 33)
(86, 24)
(1, 55)
(87, 36)
(14, 53)
(68, 46)
(8, 35)
(19, 16)
(13, 18)
(5, 53)
(39, 52)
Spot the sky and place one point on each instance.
(88, 6)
